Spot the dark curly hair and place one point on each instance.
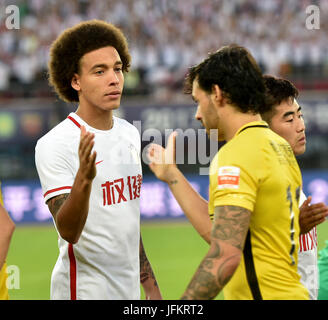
(277, 91)
(68, 49)
(237, 74)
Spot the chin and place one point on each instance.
(299, 151)
(110, 107)
(213, 135)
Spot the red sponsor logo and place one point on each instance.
(114, 191)
(228, 180)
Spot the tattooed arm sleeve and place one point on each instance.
(228, 236)
(147, 277)
(55, 203)
(70, 211)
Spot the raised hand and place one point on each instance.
(311, 215)
(162, 161)
(87, 160)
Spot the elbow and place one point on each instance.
(67, 231)
(206, 236)
(70, 238)
(9, 229)
(68, 235)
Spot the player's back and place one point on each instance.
(269, 186)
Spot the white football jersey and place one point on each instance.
(307, 259)
(104, 263)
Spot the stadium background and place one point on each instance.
(165, 38)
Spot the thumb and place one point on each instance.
(151, 166)
(171, 148)
(307, 201)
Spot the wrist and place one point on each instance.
(172, 175)
(82, 181)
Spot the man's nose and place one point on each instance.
(113, 78)
(198, 115)
(301, 125)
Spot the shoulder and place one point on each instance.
(129, 131)
(124, 124)
(254, 141)
(60, 137)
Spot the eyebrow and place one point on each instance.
(291, 112)
(104, 65)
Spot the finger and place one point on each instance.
(170, 150)
(85, 143)
(316, 210)
(307, 201)
(157, 154)
(312, 225)
(87, 148)
(171, 141)
(92, 159)
(151, 166)
(83, 131)
(150, 150)
(314, 219)
(319, 205)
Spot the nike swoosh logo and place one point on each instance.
(99, 162)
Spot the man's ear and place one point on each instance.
(75, 83)
(217, 94)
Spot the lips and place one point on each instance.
(113, 94)
(302, 140)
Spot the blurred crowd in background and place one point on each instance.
(165, 38)
(168, 36)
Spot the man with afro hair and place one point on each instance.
(90, 171)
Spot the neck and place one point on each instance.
(237, 120)
(98, 119)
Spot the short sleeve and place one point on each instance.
(54, 164)
(236, 178)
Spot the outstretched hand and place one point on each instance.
(162, 161)
(87, 160)
(311, 215)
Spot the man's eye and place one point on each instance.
(99, 72)
(290, 120)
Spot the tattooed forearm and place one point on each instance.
(146, 271)
(212, 275)
(55, 203)
(171, 182)
(227, 241)
(231, 224)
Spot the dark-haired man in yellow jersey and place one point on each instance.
(7, 227)
(255, 185)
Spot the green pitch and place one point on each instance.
(174, 250)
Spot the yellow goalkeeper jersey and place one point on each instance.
(257, 170)
(3, 273)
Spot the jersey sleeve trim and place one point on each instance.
(56, 189)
